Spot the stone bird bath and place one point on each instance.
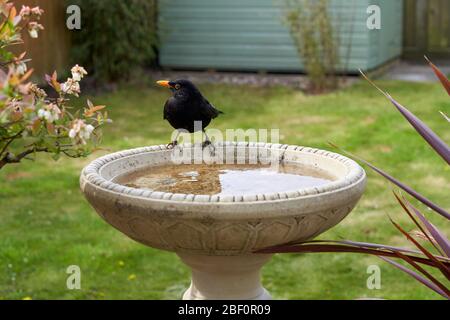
(216, 235)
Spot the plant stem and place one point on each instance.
(11, 139)
(8, 159)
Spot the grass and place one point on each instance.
(46, 225)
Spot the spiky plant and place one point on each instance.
(439, 256)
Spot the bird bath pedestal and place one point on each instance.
(216, 236)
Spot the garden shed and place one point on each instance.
(251, 35)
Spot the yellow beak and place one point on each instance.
(164, 83)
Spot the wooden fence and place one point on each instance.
(427, 28)
(51, 50)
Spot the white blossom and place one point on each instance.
(34, 28)
(21, 68)
(33, 33)
(49, 113)
(25, 12)
(78, 73)
(72, 133)
(37, 12)
(71, 86)
(80, 131)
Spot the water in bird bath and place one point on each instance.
(225, 179)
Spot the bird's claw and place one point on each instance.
(205, 144)
(172, 145)
(212, 149)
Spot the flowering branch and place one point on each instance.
(30, 121)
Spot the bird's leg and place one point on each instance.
(207, 141)
(174, 143)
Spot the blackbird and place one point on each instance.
(186, 107)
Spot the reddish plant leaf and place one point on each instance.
(51, 129)
(390, 248)
(26, 75)
(442, 78)
(433, 139)
(401, 185)
(425, 234)
(425, 273)
(22, 55)
(335, 248)
(417, 276)
(92, 110)
(360, 244)
(445, 270)
(440, 238)
(12, 13)
(36, 126)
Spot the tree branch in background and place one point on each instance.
(9, 158)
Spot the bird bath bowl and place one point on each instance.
(217, 235)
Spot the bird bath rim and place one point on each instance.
(93, 174)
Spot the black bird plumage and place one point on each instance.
(187, 106)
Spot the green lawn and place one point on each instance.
(46, 225)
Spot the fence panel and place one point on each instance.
(51, 50)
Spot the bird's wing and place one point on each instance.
(210, 111)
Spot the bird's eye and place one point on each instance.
(177, 86)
